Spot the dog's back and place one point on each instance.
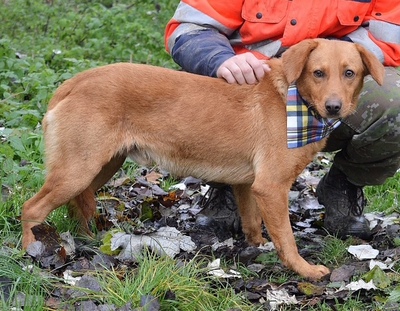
(134, 104)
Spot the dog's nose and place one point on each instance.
(333, 106)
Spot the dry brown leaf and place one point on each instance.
(153, 177)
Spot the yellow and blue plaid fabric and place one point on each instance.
(304, 125)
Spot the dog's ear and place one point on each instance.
(295, 58)
(373, 66)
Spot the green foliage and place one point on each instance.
(168, 182)
(386, 197)
(21, 157)
(395, 295)
(379, 277)
(40, 48)
(105, 247)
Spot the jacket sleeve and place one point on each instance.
(197, 35)
(202, 51)
(381, 32)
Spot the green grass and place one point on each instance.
(386, 197)
(334, 252)
(164, 277)
(351, 305)
(28, 285)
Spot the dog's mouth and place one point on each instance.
(331, 108)
(329, 113)
(330, 118)
(327, 116)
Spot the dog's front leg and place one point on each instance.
(272, 201)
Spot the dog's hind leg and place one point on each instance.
(108, 171)
(68, 179)
(56, 191)
(83, 206)
(249, 214)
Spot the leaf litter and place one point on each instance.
(138, 214)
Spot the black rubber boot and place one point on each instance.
(344, 205)
(219, 204)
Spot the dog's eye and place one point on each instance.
(349, 73)
(319, 73)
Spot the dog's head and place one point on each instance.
(329, 74)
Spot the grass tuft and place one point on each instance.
(177, 286)
(334, 251)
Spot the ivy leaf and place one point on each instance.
(379, 277)
(106, 246)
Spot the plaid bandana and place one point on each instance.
(304, 125)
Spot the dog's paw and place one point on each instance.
(256, 241)
(26, 240)
(317, 272)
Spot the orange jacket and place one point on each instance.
(267, 27)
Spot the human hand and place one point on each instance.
(243, 69)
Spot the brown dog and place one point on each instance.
(199, 126)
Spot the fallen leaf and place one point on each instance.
(279, 297)
(380, 264)
(170, 199)
(158, 191)
(120, 181)
(309, 289)
(85, 305)
(395, 295)
(268, 246)
(35, 249)
(48, 236)
(379, 277)
(68, 243)
(54, 303)
(180, 186)
(6, 287)
(227, 243)
(363, 251)
(69, 279)
(215, 270)
(154, 177)
(376, 219)
(256, 267)
(357, 285)
(105, 248)
(166, 241)
(344, 273)
(149, 303)
(89, 282)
